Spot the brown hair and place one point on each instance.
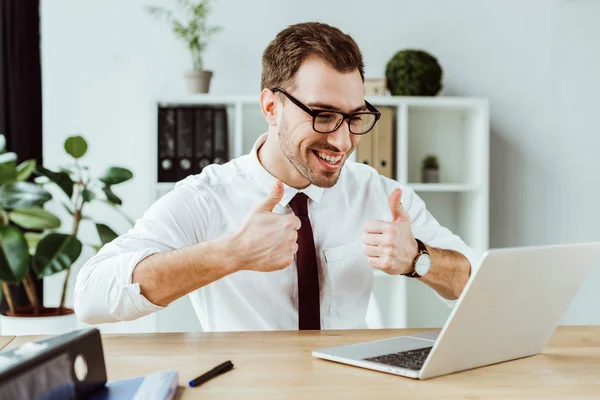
(284, 55)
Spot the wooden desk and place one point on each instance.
(280, 365)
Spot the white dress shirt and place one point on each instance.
(205, 206)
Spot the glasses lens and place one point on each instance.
(328, 121)
(362, 123)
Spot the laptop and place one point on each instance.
(508, 310)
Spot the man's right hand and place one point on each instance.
(267, 241)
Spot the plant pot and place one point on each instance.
(431, 176)
(47, 322)
(198, 81)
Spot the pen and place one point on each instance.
(216, 371)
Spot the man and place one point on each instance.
(288, 236)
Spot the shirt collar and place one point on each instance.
(266, 180)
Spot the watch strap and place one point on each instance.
(422, 250)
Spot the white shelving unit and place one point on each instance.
(455, 129)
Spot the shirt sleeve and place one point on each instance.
(426, 228)
(104, 291)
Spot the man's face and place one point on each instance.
(319, 157)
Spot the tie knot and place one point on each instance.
(299, 205)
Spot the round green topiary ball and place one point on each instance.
(413, 73)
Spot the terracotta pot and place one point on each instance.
(49, 321)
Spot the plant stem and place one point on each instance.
(78, 208)
(6, 290)
(29, 286)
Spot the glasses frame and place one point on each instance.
(345, 116)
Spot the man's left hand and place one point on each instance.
(391, 246)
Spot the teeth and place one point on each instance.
(331, 160)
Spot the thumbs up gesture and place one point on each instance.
(267, 241)
(391, 246)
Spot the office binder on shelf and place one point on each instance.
(377, 148)
(204, 144)
(383, 140)
(189, 139)
(166, 144)
(221, 153)
(184, 142)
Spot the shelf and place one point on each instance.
(442, 187)
(427, 101)
(209, 99)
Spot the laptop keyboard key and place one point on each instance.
(412, 359)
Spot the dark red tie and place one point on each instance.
(309, 314)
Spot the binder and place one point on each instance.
(69, 366)
(184, 142)
(376, 148)
(384, 143)
(221, 151)
(191, 138)
(166, 144)
(203, 127)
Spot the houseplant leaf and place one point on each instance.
(76, 146)
(2, 144)
(106, 234)
(8, 167)
(32, 239)
(14, 255)
(34, 218)
(3, 217)
(62, 179)
(25, 169)
(110, 196)
(88, 195)
(56, 252)
(116, 175)
(22, 195)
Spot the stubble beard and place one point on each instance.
(324, 179)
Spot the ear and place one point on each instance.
(270, 106)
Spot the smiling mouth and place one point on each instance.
(328, 159)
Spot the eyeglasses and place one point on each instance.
(327, 121)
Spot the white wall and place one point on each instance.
(106, 62)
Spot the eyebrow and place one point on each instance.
(325, 106)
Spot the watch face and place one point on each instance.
(423, 264)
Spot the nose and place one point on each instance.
(341, 138)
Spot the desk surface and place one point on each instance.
(280, 365)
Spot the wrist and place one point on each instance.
(230, 258)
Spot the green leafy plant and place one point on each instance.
(431, 162)
(194, 30)
(413, 73)
(28, 240)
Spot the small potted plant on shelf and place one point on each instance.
(196, 33)
(29, 240)
(431, 169)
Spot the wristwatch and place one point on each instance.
(421, 263)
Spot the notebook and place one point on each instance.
(157, 386)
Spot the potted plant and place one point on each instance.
(413, 73)
(28, 237)
(431, 169)
(196, 34)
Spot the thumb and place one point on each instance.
(394, 202)
(273, 198)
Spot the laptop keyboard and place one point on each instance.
(412, 359)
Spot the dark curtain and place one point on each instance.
(21, 90)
